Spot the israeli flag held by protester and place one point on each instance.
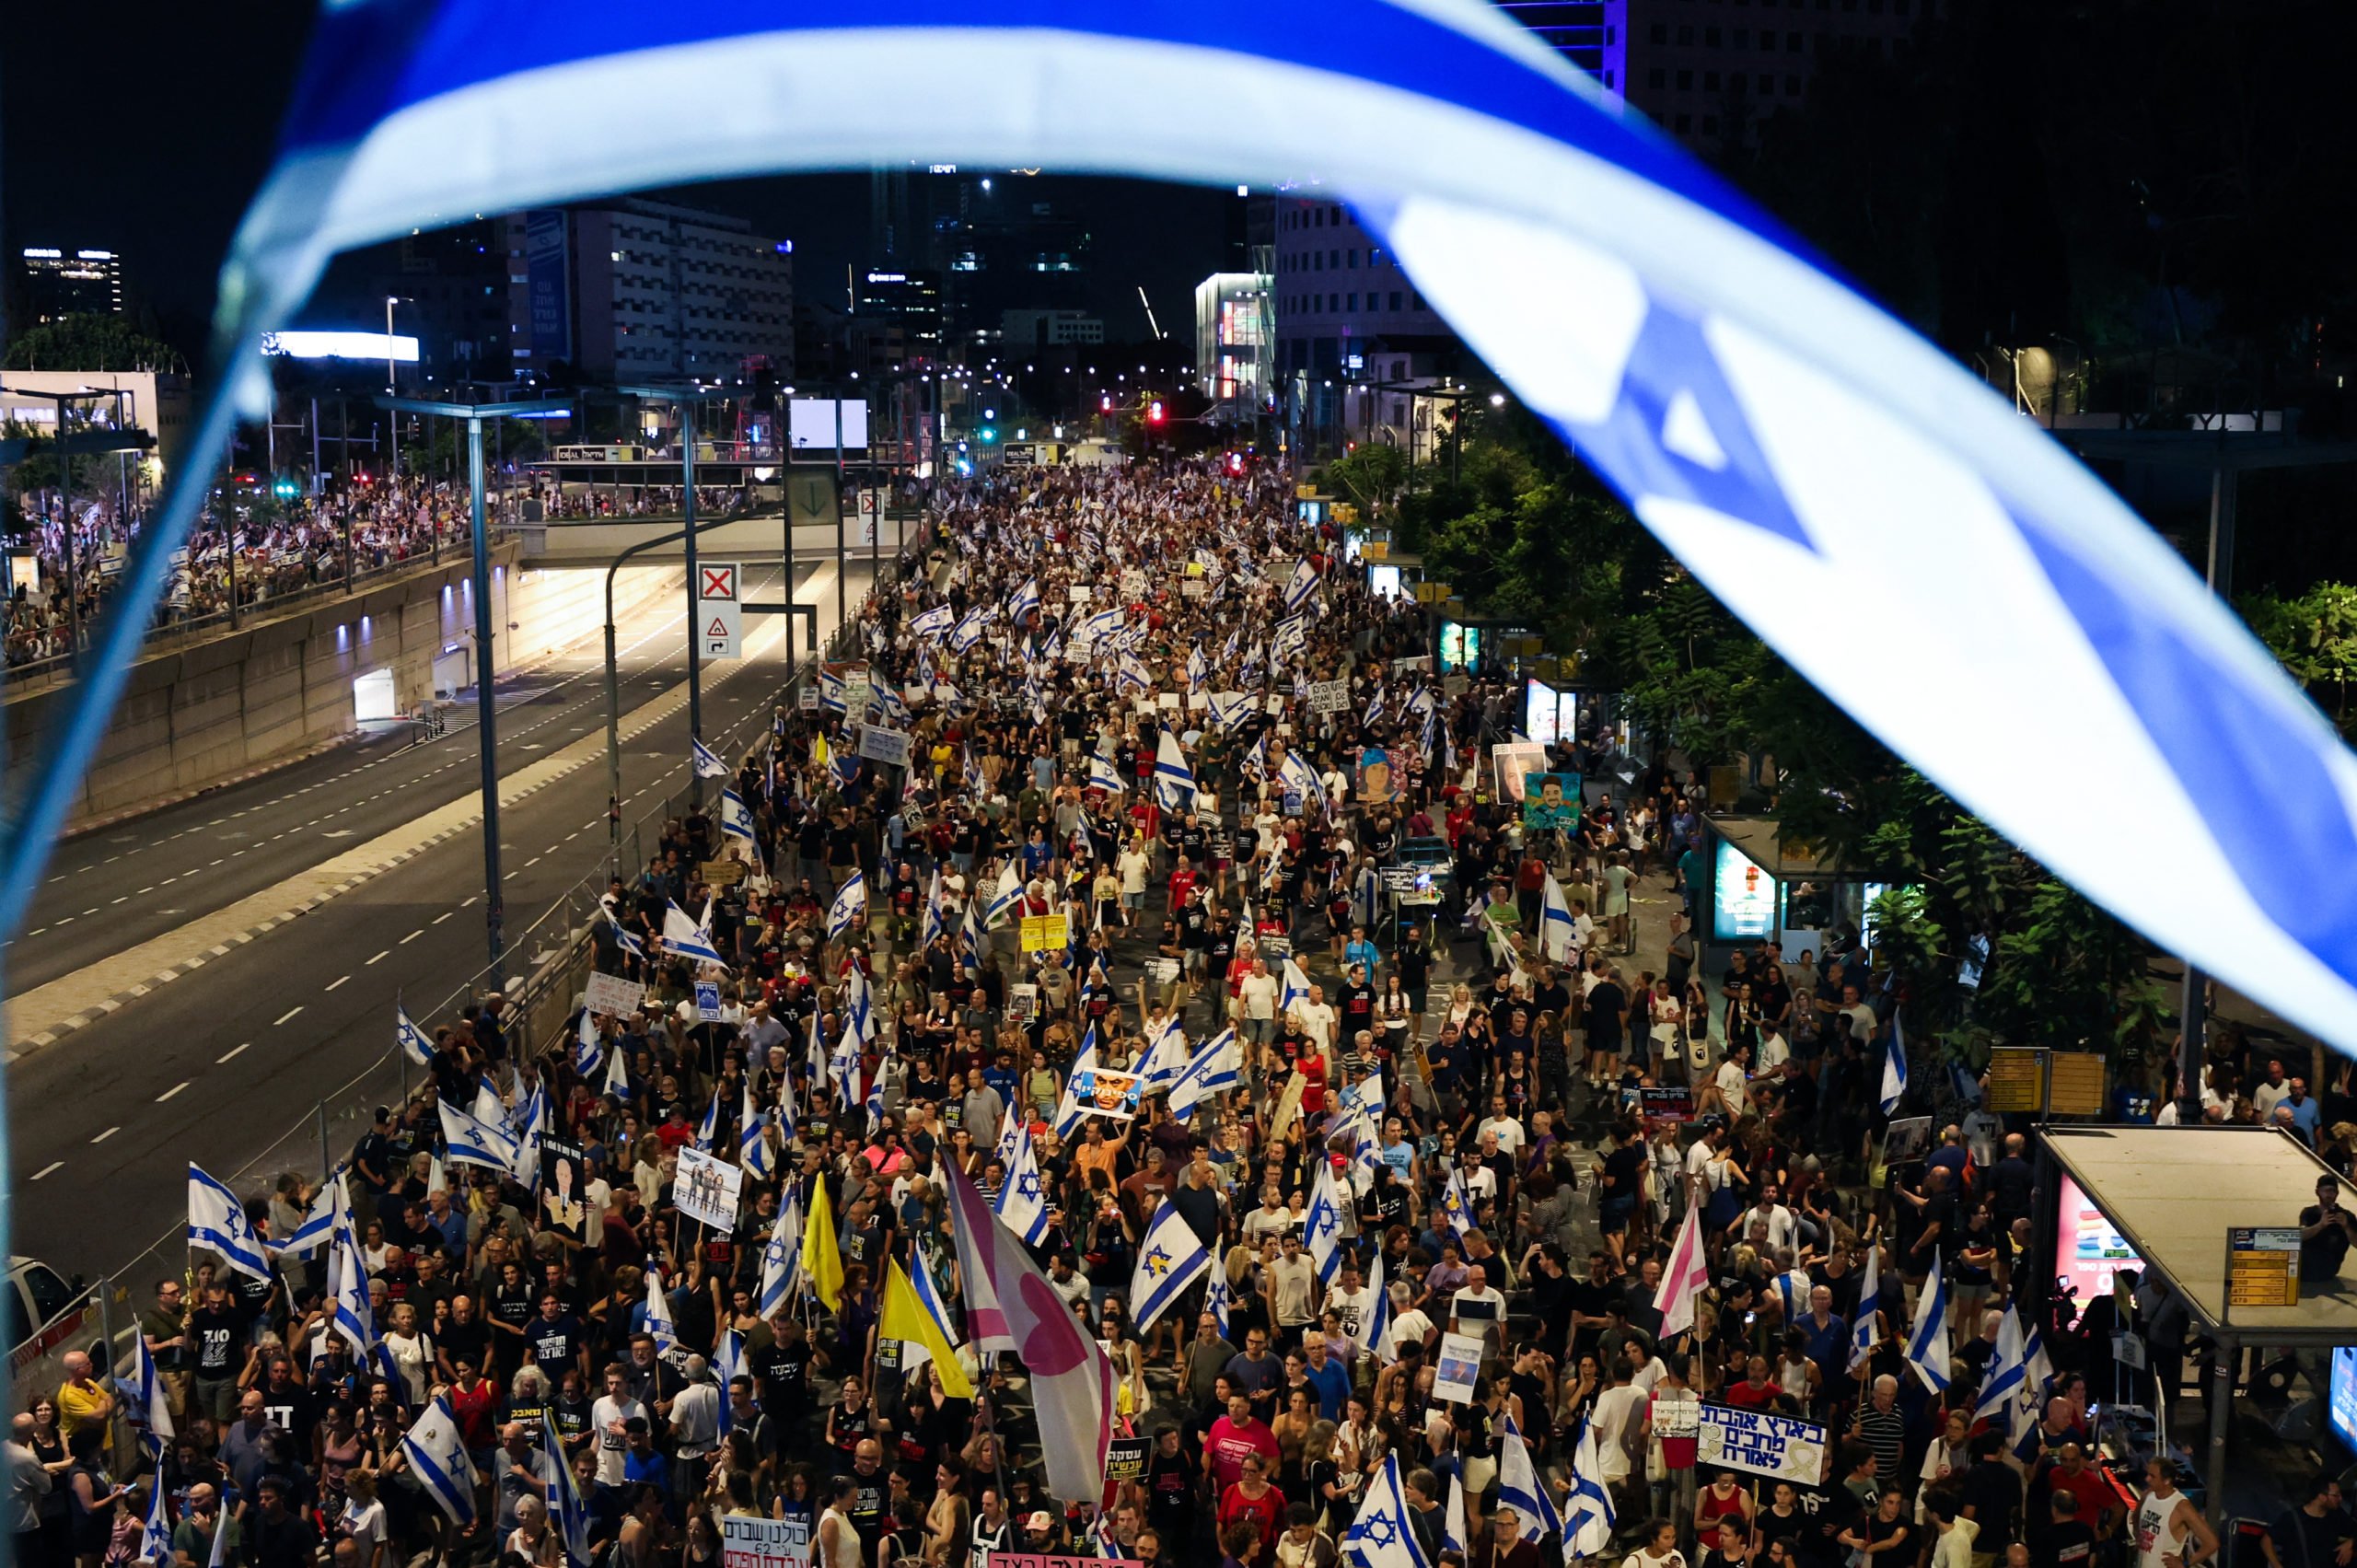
(1556, 931)
(1102, 774)
(588, 1045)
(1374, 1331)
(531, 1125)
(1217, 1065)
(568, 1510)
(1165, 1058)
(1291, 634)
(1217, 1300)
(1303, 584)
(1228, 709)
(831, 690)
(1174, 781)
(1293, 985)
(438, 1458)
(1520, 1489)
(658, 1313)
(1170, 1260)
(1927, 1343)
(217, 1221)
(155, 1530)
(319, 1221)
(1022, 1201)
(1198, 669)
(876, 1094)
(1587, 1516)
(1322, 1225)
(627, 937)
(936, 622)
(415, 1043)
(753, 1150)
(736, 816)
(932, 926)
(970, 631)
(2002, 1403)
(466, 1140)
(1073, 1109)
(1866, 1332)
(969, 942)
(1005, 897)
(146, 1402)
(1457, 1203)
(1452, 1525)
(686, 938)
(1382, 1535)
(706, 761)
(729, 1360)
(1894, 1069)
(849, 909)
(708, 1130)
(782, 1256)
(1025, 604)
(352, 1317)
(1104, 624)
(888, 702)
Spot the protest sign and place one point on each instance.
(1046, 933)
(1761, 1443)
(1329, 696)
(880, 745)
(721, 873)
(748, 1541)
(708, 1001)
(1057, 1560)
(563, 1213)
(1125, 1459)
(1457, 1369)
(809, 704)
(1022, 1003)
(706, 1188)
(1514, 759)
(1104, 1092)
(612, 995)
(1673, 1102)
(1551, 800)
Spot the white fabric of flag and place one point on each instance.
(466, 1140)
(1198, 669)
(1520, 1489)
(1684, 1278)
(1217, 1065)
(146, 1402)
(1006, 896)
(438, 1458)
(932, 925)
(753, 1150)
(1025, 604)
(1022, 1201)
(1927, 1342)
(1174, 781)
(352, 1317)
(1457, 1203)
(1382, 1535)
(531, 1125)
(1303, 582)
(970, 631)
(736, 816)
(155, 1530)
(705, 761)
(1217, 1300)
(1375, 1333)
(936, 622)
(782, 1256)
(850, 907)
(1587, 1516)
(2006, 1395)
(1322, 1224)
(319, 1221)
(1103, 775)
(415, 1043)
(1293, 985)
(217, 1221)
(1865, 1333)
(1452, 1525)
(1894, 1069)
(658, 1313)
(1071, 1110)
(1165, 1057)
(687, 937)
(568, 1510)
(1170, 1260)
(1556, 930)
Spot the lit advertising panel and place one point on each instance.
(1743, 898)
(2088, 1248)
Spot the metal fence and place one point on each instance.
(547, 965)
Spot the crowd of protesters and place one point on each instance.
(1513, 1180)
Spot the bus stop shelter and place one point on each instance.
(2178, 1196)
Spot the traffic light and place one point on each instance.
(1105, 403)
(1153, 411)
(285, 488)
(988, 434)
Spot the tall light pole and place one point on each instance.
(685, 399)
(486, 714)
(392, 390)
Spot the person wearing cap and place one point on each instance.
(695, 1429)
(1042, 1531)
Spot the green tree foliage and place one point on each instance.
(1371, 477)
(2315, 635)
(91, 341)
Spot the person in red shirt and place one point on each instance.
(1233, 1436)
(1252, 1498)
(474, 1404)
(1182, 886)
(1758, 1391)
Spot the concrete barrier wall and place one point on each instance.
(281, 685)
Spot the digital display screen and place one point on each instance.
(2342, 1405)
(2088, 1248)
(1384, 581)
(1743, 897)
(1538, 712)
(1460, 646)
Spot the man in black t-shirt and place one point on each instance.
(215, 1329)
(2326, 1230)
(782, 1370)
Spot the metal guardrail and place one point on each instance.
(553, 950)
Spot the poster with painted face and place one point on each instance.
(1375, 776)
(1551, 800)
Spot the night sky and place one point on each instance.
(150, 141)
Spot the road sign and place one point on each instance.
(720, 608)
(2263, 1266)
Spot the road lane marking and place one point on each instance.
(239, 1051)
(52, 1166)
(411, 938)
(338, 981)
(176, 1088)
(444, 915)
(105, 1135)
(379, 957)
(283, 1016)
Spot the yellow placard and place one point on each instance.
(1432, 593)
(2076, 1083)
(2016, 1079)
(1374, 549)
(1046, 933)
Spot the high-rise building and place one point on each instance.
(1344, 312)
(52, 282)
(1049, 329)
(1708, 72)
(907, 306)
(1235, 345)
(640, 290)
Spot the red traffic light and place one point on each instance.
(1153, 411)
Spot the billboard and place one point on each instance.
(1743, 897)
(1549, 715)
(2342, 1406)
(2088, 1248)
(548, 282)
(811, 425)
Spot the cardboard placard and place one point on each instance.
(708, 1001)
(1761, 1443)
(707, 1189)
(563, 1214)
(722, 873)
(1457, 1369)
(880, 745)
(1329, 696)
(1046, 933)
(612, 995)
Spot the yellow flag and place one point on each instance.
(906, 1320)
(822, 1260)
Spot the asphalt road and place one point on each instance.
(220, 1067)
(121, 885)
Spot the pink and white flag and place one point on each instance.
(1684, 1277)
(1011, 1307)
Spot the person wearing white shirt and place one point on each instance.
(1410, 1325)
(1774, 1052)
(1316, 1016)
(695, 1418)
(1503, 1128)
(614, 1410)
(1609, 1418)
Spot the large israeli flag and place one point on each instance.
(1894, 1069)
(849, 909)
(319, 1221)
(1927, 1342)
(415, 1043)
(1793, 444)
(1382, 1535)
(1022, 1201)
(1323, 1223)
(688, 938)
(706, 761)
(1174, 781)
(736, 816)
(1520, 1488)
(782, 1256)
(1170, 1260)
(469, 1140)
(437, 1457)
(217, 1221)
(1218, 1065)
(1025, 604)
(936, 622)
(2002, 1402)
(1006, 896)
(146, 1402)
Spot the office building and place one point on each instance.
(902, 310)
(1236, 344)
(52, 282)
(1344, 312)
(646, 291)
(1049, 329)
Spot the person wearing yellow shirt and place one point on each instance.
(81, 1401)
